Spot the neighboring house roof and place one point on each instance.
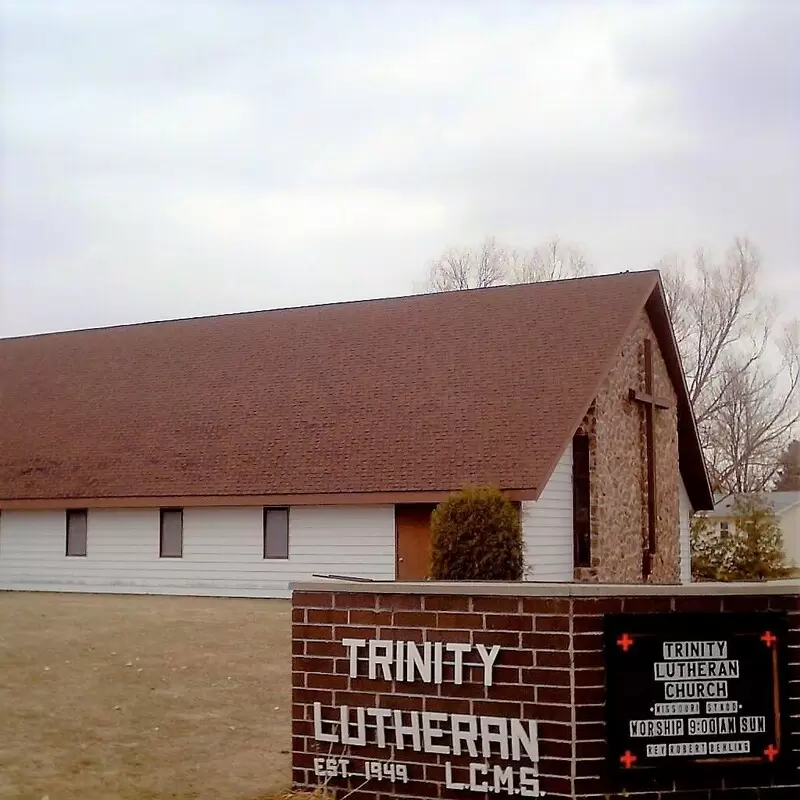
(413, 394)
(780, 502)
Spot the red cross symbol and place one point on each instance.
(625, 642)
(769, 639)
(771, 752)
(629, 759)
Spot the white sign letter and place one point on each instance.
(360, 736)
(458, 651)
(353, 646)
(488, 659)
(319, 735)
(380, 715)
(384, 658)
(460, 722)
(431, 732)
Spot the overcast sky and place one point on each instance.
(170, 159)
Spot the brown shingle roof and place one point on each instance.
(422, 393)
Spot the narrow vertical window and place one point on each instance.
(581, 503)
(171, 538)
(276, 533)
(76, 531)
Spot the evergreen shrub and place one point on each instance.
(477, 536)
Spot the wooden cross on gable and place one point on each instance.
(650, 403)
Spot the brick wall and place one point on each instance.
(550, 668)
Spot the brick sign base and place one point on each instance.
(422, 669)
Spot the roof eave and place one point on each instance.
(296, 499)
(690, 452)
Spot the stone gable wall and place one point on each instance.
(616, 427)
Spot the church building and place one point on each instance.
(232, 455)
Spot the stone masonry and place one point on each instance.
(618, 470)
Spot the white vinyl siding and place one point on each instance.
(685, 511)
(223, 551)
(547, 527)
(790, 528)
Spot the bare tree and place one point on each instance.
(743, 377)
(714, 311)
(745, 438)
(551, 261)
(491, 264)
(743, 381)
(468, 268)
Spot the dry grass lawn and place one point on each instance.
(105, 696)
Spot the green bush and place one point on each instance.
(752, 550)
(477, 536)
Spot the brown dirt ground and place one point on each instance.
(108, 696)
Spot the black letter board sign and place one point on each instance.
(693, 689)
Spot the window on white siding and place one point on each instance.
(171, 533)
(724, 529)
(276, 533)
(76, 531)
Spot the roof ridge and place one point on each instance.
(330, 304)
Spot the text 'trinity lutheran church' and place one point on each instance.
(233, 455)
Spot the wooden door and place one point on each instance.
(413, 541)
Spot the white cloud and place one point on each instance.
(164, 163)
(286, 220)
